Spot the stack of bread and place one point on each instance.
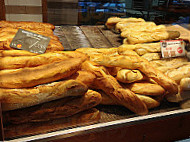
(42, 87)
(142, 38)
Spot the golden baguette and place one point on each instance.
(15, 53)
(145, 37)
(146, 89)
(141, 49)
(127, 52)
(136, 62)
(142, 27)
(20, 98)
(28, 25)
(32, 76)
(152, 56)
(83, 76)
(109, 84)
(112, 21)
(56, 109)
(150, 102)
(6, 33)
(47, 32)
(127, 25)
(185, 84)
(33, 61)
(129, 76)
(179, 73)
(92, 51)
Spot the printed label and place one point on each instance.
(172, 48)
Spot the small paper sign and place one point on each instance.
(30, 41)
(172, 48)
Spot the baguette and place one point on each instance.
(129, 76)
(142, 27)
(179, 73)
(152, 56)
(87, 117)
(185, 84)
(127, 52)
(141, 49)
(145, 37)
(28, 25)
(85, 77)
(15, 53)
(136, 62)
(20, 98)
(150, 102)
(33, 61)
(146, 89)
(32, 76)
(126, 25)
(92, 51)
(109, 84)
(56, 109)
(112, 21)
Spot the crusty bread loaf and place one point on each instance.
(28, 25)
(145, 88)
(87, 117)
(179, 73)
(127, 52)
(32, 76)
(150, 102)
(127, 25)
(55, 109)
(136, 62)
(85, 77)
(185, 84)
(15, 53)
(129, 76)
(142, 27)
(20, 98)
(152, 56)
(109, 84)
(92, 51)
(141, 48)
(145, 37)
(33, 61)
(112, 21)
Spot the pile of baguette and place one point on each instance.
(141, 39)
(42, 87)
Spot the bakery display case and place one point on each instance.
(115, 78)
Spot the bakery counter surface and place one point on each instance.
(168, 122)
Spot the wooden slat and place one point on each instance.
(75, 37)
(2, 10)
(58, 32)
(95, 37)
(1, 127)
(44, 10)
(23, 9)
(113, 38)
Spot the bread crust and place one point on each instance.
(29, 25)
(20, 98)
(185, 84)
(32, 76)
(146, 89)
(56, 109)
(136, 62)
(109, 84)
(15, 53)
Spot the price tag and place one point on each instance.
(172, 48)
(30, 41)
